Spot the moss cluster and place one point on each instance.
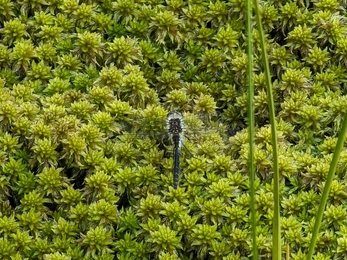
(85, 87)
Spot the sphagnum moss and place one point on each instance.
(70, 93)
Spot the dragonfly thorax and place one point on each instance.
(174, 123)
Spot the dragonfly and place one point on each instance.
(175, 127)
(146, 130)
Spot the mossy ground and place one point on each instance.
(85, 87)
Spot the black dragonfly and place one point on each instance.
(189, 127)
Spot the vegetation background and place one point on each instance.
(85, 87)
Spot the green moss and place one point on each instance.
(85, 166)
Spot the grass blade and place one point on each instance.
(251, 163)
(276, 233)
(327, 186)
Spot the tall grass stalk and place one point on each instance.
(327, 186)
(276, 229)
(251, 164)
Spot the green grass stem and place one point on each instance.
(251, 163)
(327, 186)
(276, 233)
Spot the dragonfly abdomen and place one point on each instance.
(176, 163)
